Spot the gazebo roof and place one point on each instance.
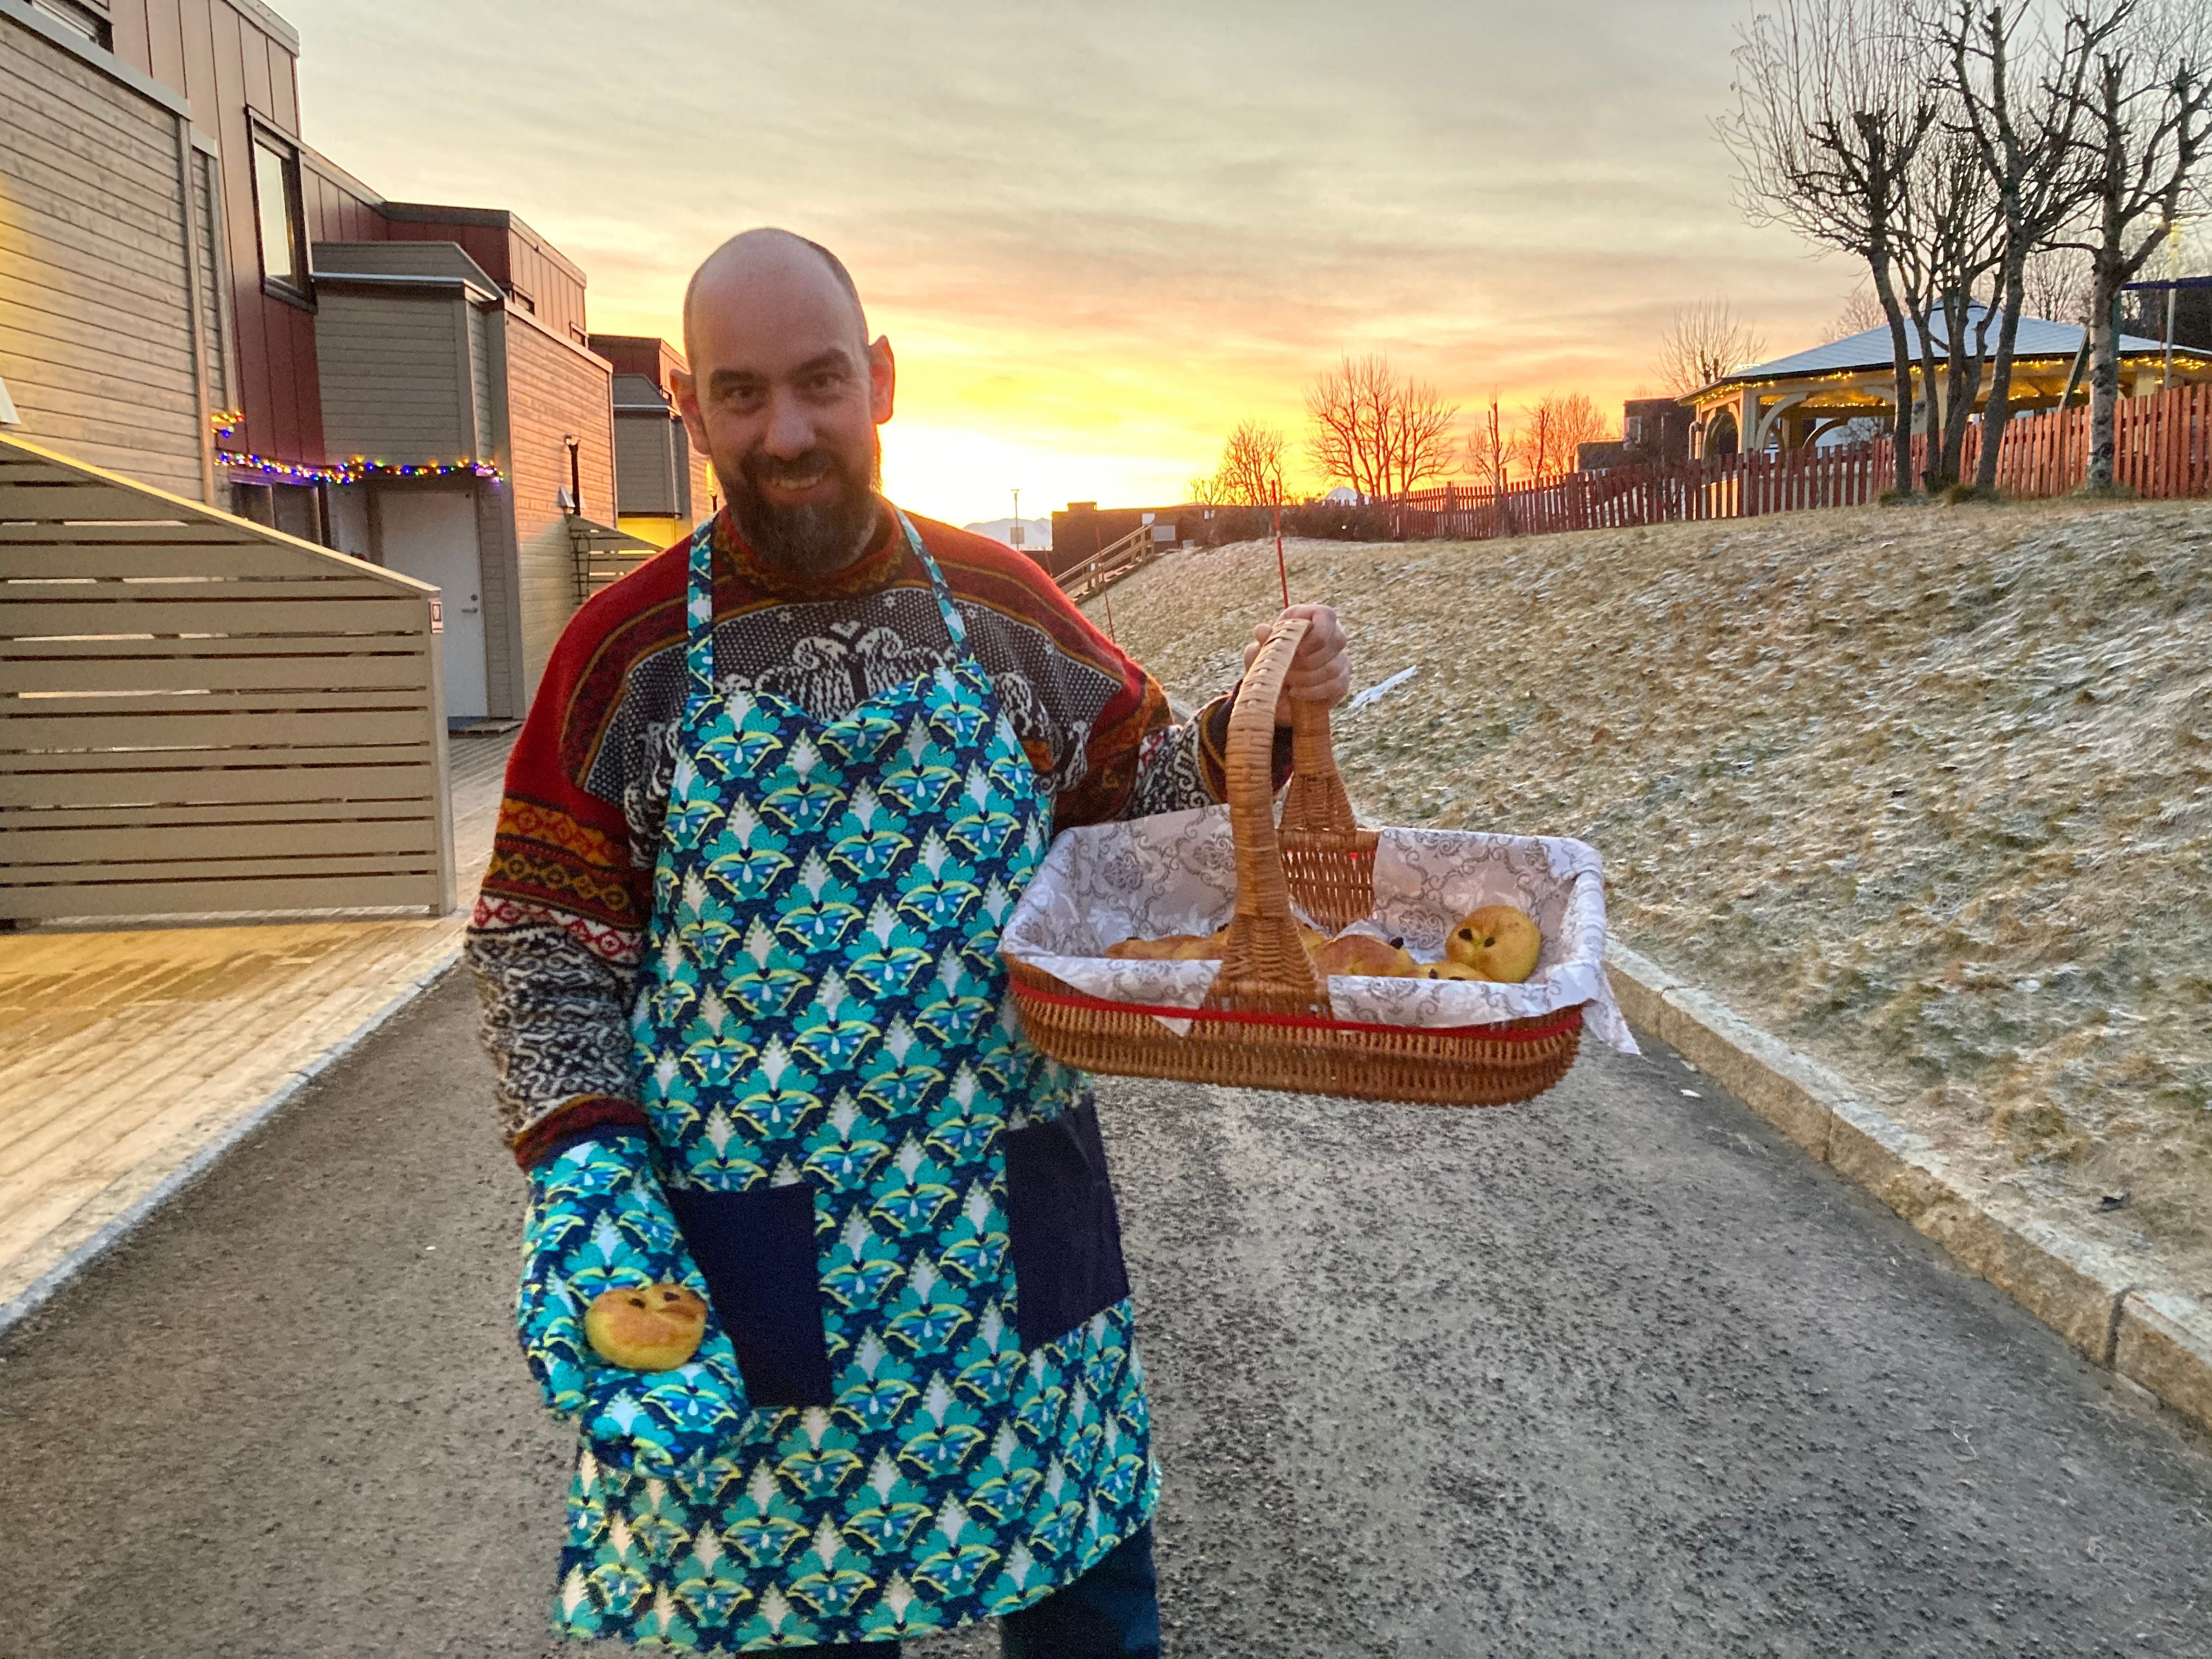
(1869, 352)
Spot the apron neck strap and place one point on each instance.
(945, 608)
(699, 603)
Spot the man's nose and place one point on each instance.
(790, 427)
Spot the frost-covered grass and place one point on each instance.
(1926, 791)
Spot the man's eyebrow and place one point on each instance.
(835, 358)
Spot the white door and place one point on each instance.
(431, 535)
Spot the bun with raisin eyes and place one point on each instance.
(645, 1328)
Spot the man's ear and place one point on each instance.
(883, 380)
(687, 404)
(686, 390)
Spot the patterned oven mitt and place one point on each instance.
(598, 1221)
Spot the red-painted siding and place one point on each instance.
(512, 254)
(232, 69)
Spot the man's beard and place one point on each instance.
(817, 539)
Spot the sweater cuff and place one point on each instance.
(585, 1117)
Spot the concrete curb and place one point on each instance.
(128, 1220)
(2080, 1290)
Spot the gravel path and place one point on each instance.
(1617, 1373)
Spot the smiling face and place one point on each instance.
(645, 1328)
(1502, 942)
(784, 394)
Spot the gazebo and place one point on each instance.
(1800, 397)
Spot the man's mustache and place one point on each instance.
(763, 468)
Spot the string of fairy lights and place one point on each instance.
(227, 422)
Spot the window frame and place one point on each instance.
(78, 19)
(298, 291)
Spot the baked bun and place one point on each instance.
(645, 1328)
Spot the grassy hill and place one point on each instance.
(1926, 791)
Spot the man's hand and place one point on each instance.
(598, 1221)
(1321, 672)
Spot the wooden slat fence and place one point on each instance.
(199, 716)
(2163, 451)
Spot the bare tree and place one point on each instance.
(1490, 457)
(1834, 100)
(1861, 312)
(2147, 119)
(1379, 434)
(2020, 88)
(1490, 449)
(1205, 490)
(2056, 284)
(1951, 238)
(1704, 342)
(1552, 430)
(1251, 472)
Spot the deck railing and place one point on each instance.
(201, 715)
(1111, 564)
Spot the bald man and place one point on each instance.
(821, 1257)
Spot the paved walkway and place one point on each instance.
(130, 1057)
(1618, 1373)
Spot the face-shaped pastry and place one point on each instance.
(1500, 941)
(645, 1328)
(1363, 953)
(1449, 969)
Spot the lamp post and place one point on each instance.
(1015, 535)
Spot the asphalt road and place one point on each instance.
(1616, 1373)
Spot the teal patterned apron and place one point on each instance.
(901, 1208)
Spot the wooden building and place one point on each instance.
(492, 439)
(426, 399)
(663, 485)
(110, 328)
(1654, 431)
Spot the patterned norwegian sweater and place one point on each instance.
(560, 923)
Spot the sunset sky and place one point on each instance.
(1098, 235)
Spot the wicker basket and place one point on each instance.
(1266, 1022)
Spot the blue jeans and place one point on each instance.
(1112, 1611)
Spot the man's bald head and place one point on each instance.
(783, 391)
(754, 261)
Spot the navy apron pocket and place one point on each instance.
(757, 1251)
(1064, 1233)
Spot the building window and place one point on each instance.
(78, 20)
(523, 300)
(277, 203)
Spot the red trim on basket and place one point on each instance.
(1569, 1019)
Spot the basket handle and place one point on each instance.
(1264, 965)
(1316, 803)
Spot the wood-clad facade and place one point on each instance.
(195, 297)
(103, 336)
(235, 63)
(542, 282)
(556, 391)
(403, 343)
(664, 485)
(425, 363)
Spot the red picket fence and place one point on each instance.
(2163, 449)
